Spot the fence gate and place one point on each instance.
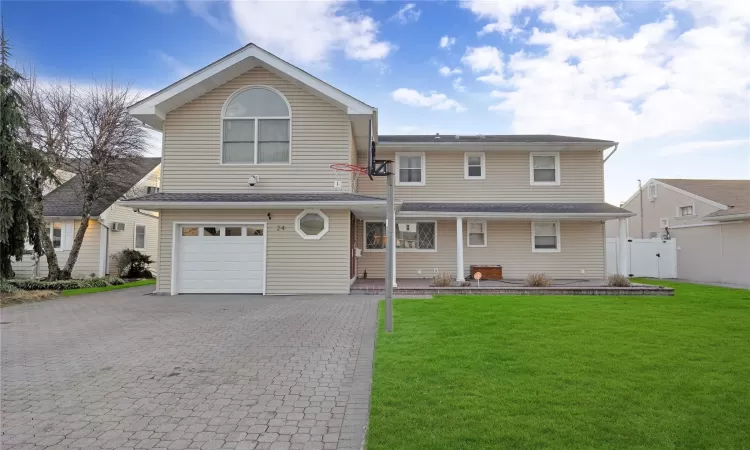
(653, 258)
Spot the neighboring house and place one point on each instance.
(111, 228)
(710, 219)
(249, 204)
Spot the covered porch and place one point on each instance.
(565, 241)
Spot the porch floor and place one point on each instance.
(507, 286)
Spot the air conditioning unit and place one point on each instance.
(118, 226)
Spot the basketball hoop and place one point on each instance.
(343, 167)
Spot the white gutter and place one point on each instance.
(135, 204)
(611, 153)
(500, 215)
(493, 146)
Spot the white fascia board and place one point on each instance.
(528, 216)
(691, 195)
(151, 111)
(728, 217)
(493, 146)
(156, 206)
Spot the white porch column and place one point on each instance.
(392, 240)
(459, 249)
(622, 248)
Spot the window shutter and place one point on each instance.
(67, 235)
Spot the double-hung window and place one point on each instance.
(256, 125)
(410, 169)
(55, 234)
(140, 237)
(544, 168)
(545, 236)
(474, 166)
(410, 236)
(476, 231)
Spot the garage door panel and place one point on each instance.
(221, 264)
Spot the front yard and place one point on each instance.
(565, 372)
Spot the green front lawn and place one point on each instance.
(493, 372)
(94, 290)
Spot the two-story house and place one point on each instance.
(249, 204)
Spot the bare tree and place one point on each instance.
(47, 110)
(93, 137)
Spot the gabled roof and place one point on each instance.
(734, 194)
(153, 109)
(65, 201)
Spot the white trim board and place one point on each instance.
(153, 109)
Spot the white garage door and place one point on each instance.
(221, 259)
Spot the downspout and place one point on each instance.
(612, 152)
(640, 197)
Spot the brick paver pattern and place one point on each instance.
(129, 370)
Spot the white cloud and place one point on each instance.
(582, 78)
(309, 31)
(458, 86)
(481, 59)
(176, 66)
(409, 13)
(696, 146)
(500, 11)
(433, 100)
(447, 41)
(447, 71)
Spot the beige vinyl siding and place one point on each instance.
(86, 264)
(293, 265)
(507, 179)
(508, 244)
(192, 144)
(664, 206)
(120, 240)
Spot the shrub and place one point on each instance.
(618, 280)
(63, 285)
(445, 279)
(7, 288)
(133, 264)
(538, 280)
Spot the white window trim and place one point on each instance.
(484, 228)
(135, 233)
(303, 214)
(533, 238)
(52, 237)
(677, 212)
(255, 154)
(648, 191)
(466, 165)
(557, 169)
(398, 169)
(399, 250)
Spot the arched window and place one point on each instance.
(256, 127)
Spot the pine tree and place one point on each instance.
(24, 170)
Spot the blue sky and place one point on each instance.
(669, 80)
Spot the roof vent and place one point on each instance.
(458, 138)
(437, 136)
(480, 136)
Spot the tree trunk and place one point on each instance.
(66, 271)
(53, 268)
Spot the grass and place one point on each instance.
(493, 372)
(94, 290)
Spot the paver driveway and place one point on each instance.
(124, 369)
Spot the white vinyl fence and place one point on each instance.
(653, 258)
